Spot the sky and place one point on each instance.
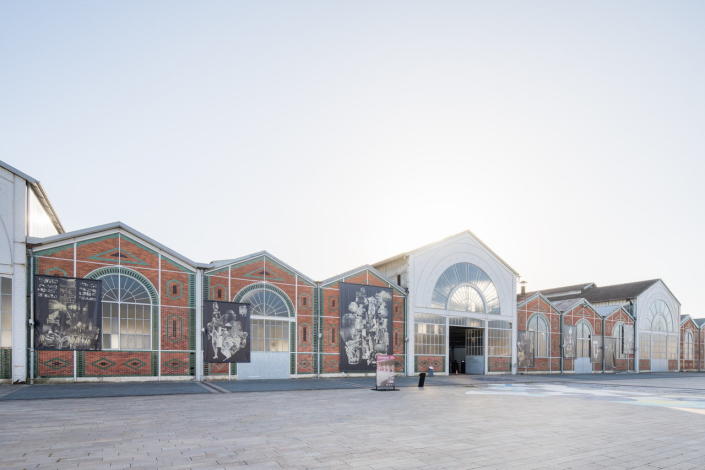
(568, 136)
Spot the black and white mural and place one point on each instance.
(628, 339)
(525, 348)
(610, 352)
(227, 337)
(569, 341)
(67, 313)
(365, 326)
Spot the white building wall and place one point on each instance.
(427, 264)
(13, 262)
(642, 305)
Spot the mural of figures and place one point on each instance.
(525, 349)
(569, 341)
(628, 339)
(67, 313)
(227, 336)
(365, 326)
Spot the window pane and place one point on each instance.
(6, 339)
(6, 286)
(6, 308)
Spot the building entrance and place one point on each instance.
(466, 351)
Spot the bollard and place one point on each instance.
(422, 379)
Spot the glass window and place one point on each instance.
(467, 288)
(618, 335)
(264, 302)
(500, 338)
(538, 328)
(645, 345)
(689, 346)
(659, 346)
(5, 312)
(127, 313)
(430, 338)
(270, 335)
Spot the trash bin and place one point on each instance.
(422, 379)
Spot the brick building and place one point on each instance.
(453, 308)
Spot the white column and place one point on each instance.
(485, 345)
(19, 283)
(199, 324)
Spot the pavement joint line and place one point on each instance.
(213, 388)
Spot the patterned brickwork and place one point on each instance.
(422, 363)
(170, 286)
(538, 306)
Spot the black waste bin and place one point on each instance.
(422, 378)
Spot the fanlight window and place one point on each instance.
(266, 303)
(127, 313)
(660, 315)
(538, 326)
(466, 288)
(268, 335)
(584, 334)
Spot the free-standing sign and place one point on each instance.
(67, 313)
(227, 336)
(385, 371)
(569, 341)
(365, 326)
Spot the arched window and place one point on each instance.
(127, 313)
(268, 334)
(584, 333)
(465, 287)
(538, 326)
(618, 335)
(689, 346)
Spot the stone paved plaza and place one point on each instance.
(528, 423)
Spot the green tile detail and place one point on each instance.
(51, 251)
(170, 288)
(98, 239)
(56, 363)
(114, 254)
(134, 363)
(57, 272)
(103, 363)
(5, 363)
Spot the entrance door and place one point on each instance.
(474, 351)
(583, 363)
(270, 357)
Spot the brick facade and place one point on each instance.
(172, 289)
(539, 305)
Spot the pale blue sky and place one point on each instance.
(569, 136)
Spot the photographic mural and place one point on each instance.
(569, 341)
(67, 313)
(525, 349)
(365, 326)
(227, 336)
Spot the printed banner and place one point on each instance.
(628, 339)
(67, 313)
(227, 337)
(525, 349)
(385, 371)
(569, 341)
(365, 326)
(610, 352)
(596, 349)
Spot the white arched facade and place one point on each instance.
(658, 328)
(484, 295)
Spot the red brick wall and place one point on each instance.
(692, 364)
(119, 249)
(626, 363)
(552, 316)
(572, 318)
(330, 308)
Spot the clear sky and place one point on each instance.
(569, 136)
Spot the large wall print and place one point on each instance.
(365, 326)
(525, 349)
(67, 313)
(227, 337)
(569, 341)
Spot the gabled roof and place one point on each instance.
(700, 322)
(366, 267)
(429, 245)
(39, 192)
(111, 226)
(608, 310)
(525, 299)
(567, 305)
(686, 318)
(565, 290)
(226, 262)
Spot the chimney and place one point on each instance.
(523, 287)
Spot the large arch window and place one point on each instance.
(618, 335)
(584, 333)
(465, 287)
(270, 319)
(689, 346)
(538, 327)
(127, 313)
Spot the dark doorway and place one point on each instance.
(466, 350)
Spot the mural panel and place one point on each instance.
(67, 313)
(365, 326)
(228, 335)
